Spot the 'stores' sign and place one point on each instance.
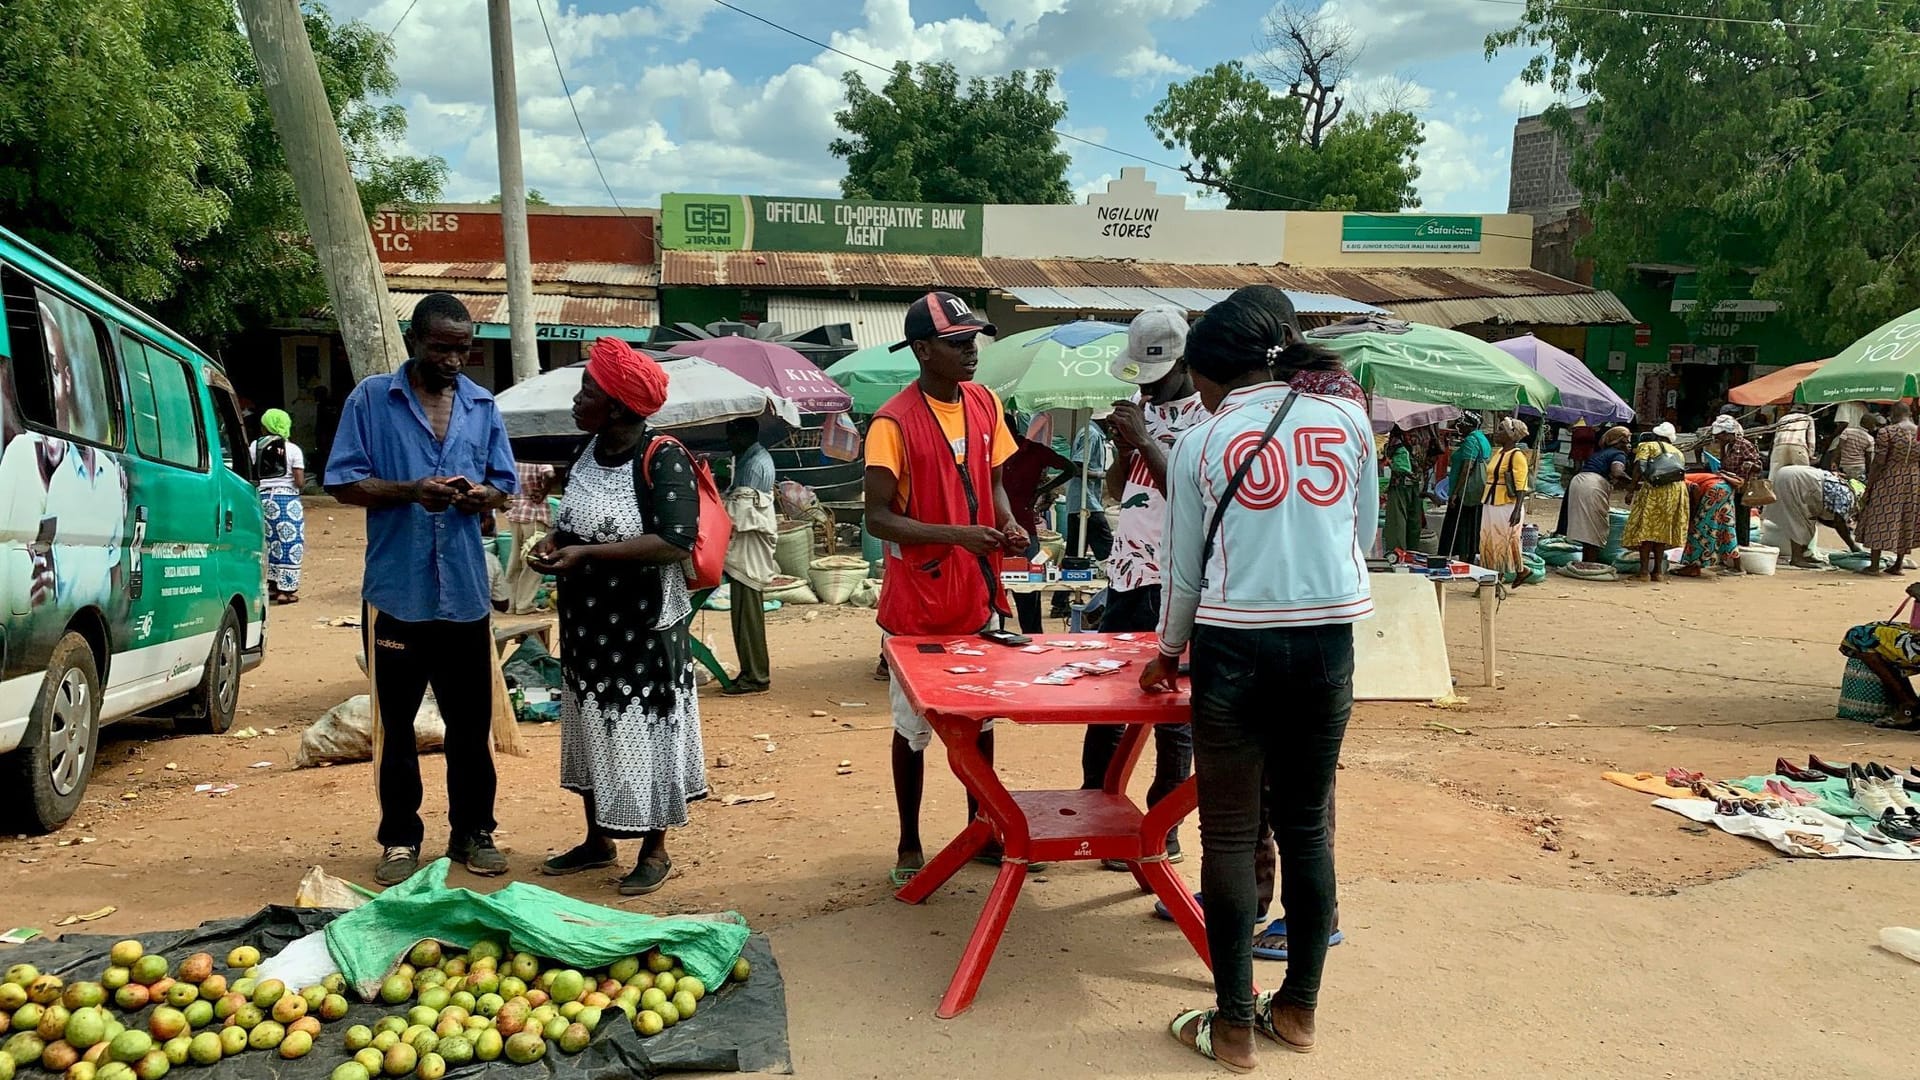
(763, 223)
(1409, 232)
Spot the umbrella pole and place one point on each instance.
(1082, 511)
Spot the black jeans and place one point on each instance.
(1742, 521)
(455, 658)
(1268, 705)
(1137, 611)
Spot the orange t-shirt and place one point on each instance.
(886, 449)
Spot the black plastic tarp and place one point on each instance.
(742, 1027)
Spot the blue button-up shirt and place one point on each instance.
(754, 469)
(422, 566)
(1092, 448)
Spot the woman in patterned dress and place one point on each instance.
(630, 718)
(1891, 520)
(1712, 538)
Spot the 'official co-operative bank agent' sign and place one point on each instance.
(769, 223)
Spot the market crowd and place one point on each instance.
(952, 486)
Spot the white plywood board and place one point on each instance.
(1401, 653)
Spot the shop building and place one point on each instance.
(802, 262)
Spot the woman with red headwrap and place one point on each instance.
(630, 720)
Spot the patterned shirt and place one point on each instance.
(1742, 461)
(1135, 561)
(528, 506)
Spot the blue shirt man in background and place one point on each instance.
(425, 451)
(1090, 448)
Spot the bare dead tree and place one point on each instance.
(1311, 54)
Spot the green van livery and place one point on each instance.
(132, 550)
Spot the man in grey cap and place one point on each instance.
(1144, 430)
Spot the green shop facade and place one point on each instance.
(1677, 365)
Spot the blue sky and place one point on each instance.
(685, 95)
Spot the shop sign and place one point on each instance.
(1739, 301)
(769, 223)
(1409, 232)
(1642, 335)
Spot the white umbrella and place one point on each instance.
(699, 394)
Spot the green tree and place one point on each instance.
(534, 198)
(1788, 148)
(136, 145)
(924, 138)
(1258, 146)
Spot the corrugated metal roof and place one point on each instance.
(874, 322)
(1598, 308)
(1127, 299)
(548, 309)
(1367, 285)
(563, 273)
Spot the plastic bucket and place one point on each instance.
(1759, 559)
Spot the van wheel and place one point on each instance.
(48, 775)
(211, 708)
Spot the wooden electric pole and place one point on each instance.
(513, 193)
(329, 198)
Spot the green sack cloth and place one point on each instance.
(532, 666)
(367, 942)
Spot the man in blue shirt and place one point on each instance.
(1090, 448)
(425, 451)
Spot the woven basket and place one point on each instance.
(835, 577)
(793, 553)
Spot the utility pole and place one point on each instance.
(329, 198)
(513, 193)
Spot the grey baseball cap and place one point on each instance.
(1156, 340)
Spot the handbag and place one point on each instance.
(1758, 491)
(1664, 468)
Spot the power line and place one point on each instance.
(402, 18)
(1069, 136)
(1677, 15)
(541, 7)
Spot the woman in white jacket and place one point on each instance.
(1266, 590)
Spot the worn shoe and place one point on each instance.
(478, 854)
(397, 864)
(587, 856)
(740, 689)
(1783, 767)
(646, 877)
(1869, 793)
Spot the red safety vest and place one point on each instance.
(940, 588)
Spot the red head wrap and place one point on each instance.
(633, 378)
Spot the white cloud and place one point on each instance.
(1461, 170)
(1144, 62)
(1399, 32)
(1519, 98)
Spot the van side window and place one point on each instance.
(61, 366)
(167, 422)
(235, 449)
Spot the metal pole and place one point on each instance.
(513, 193)
(329, 198)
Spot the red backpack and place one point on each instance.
(707, 565)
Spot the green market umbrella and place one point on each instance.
(873, 375)
(1883, 366)
(1437, 366)
(1057, 367)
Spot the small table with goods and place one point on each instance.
(958, 683)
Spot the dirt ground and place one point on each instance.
(1509, 911)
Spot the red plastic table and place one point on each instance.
(1044, 826)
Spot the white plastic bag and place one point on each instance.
(345, 733)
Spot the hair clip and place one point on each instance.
(1274, 351)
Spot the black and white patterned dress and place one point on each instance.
(629, 714)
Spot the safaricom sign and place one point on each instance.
(1409, 232)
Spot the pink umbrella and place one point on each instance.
(775, 367)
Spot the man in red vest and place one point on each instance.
(933, 495)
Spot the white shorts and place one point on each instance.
(910, 725)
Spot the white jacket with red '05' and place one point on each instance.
(1291, 550)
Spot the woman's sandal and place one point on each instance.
(1263, 1025)
(1202, 1043)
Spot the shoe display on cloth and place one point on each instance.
(1899, 827)
(1837, 771)
(1789, 794)
(1897, 787)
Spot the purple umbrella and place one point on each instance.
(1408, 415)
(1582, 395)
(775, 367)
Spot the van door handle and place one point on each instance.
(229, 519)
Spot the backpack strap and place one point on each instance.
(1240, 477)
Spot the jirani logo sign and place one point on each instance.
(763, 223)
(1409, 232)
